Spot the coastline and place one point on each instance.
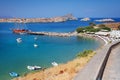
(42, 20)
(91, 36)
(35, 63)
(66, 71)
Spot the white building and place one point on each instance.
(115, 34)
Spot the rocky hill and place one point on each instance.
(28, 20)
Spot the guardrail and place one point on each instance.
(95, 68)
(100, 74)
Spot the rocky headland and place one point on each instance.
(29, 20)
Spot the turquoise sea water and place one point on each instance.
(15, 57)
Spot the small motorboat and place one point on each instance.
(33, 67)
(54, 64)
(35, 45)
(19, 40)
(13, 74)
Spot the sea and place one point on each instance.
(15, 57)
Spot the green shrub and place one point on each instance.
(86, 29)
(92, 29)
(92, 24)
(106, 28)
(80, 30)
(84, 53)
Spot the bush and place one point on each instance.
(106, 28)
(84, 53)
(102, 25)
(80, 30)
(92, 29)
(87, 29)
(92, 24)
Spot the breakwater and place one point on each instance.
(54, 34)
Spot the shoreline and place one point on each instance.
(91, 36)
(66, 71)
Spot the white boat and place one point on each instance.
(19, 40)
(33, 67)
(35, 45)
(54, 64)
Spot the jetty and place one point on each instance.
(53, 34)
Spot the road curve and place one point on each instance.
(112, 69)
(95, 68)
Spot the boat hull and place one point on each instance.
(19, 31)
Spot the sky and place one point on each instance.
(52, 8)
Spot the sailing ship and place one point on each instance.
(20, 31)
(20, 28)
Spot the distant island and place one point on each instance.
(28, 20)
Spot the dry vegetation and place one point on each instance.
(62, 72)
(113, 25)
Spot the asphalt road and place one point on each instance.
(112, 70)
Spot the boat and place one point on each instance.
(13, 74)
(33, 67)
(20, 31)
(20, 28)
(35, 45)
(54, 64)
(19, 40)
